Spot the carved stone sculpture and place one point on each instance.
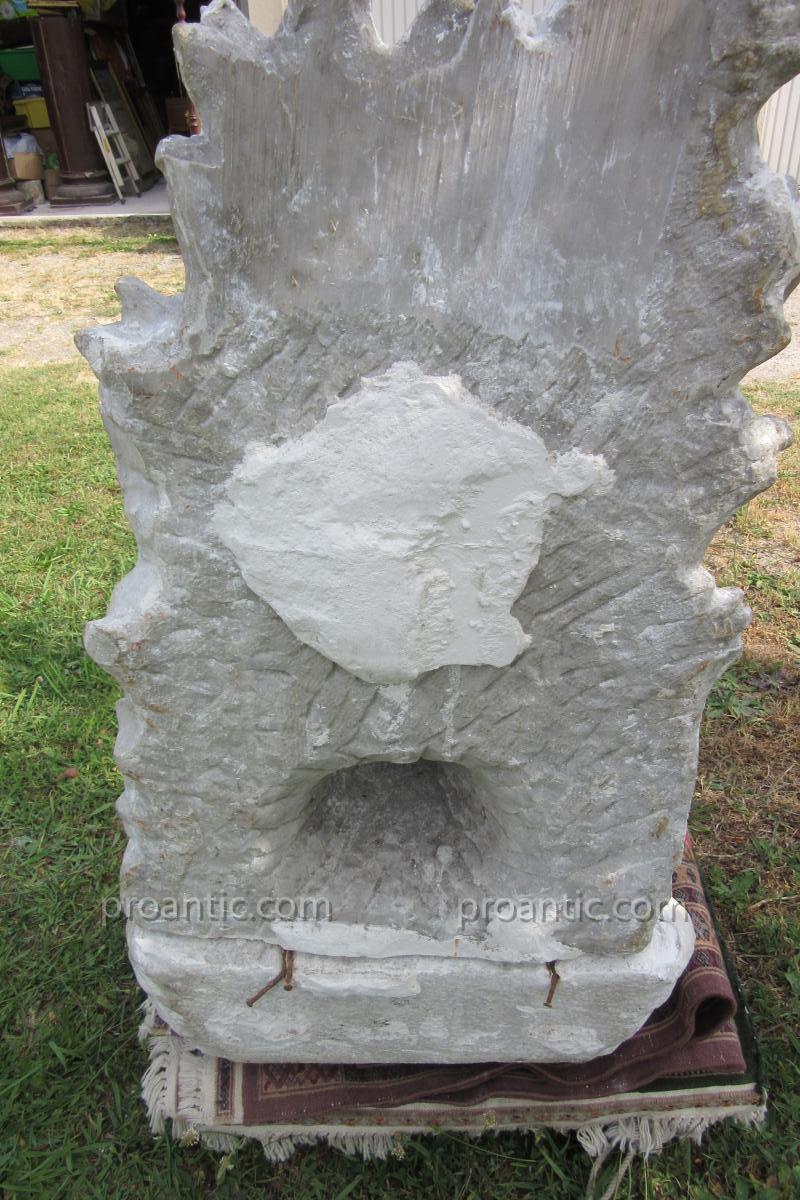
(422, 469)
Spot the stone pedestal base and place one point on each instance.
(405, 1009)
(89, 187)
(12, 200)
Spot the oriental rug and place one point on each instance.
(693, 1063)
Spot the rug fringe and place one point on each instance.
(226, 1142)
(148, 1022)
(184, 1102)
(189, 1102)
(633, 1136)
(368, 1145)
(378, 1145)
(280, 1149)
(160, 1079)
(648, 1135)
(642, 1135)
(164, 1099)
(639, 1136)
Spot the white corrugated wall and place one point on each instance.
(779, 129)
(778, 122)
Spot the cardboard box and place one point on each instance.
(27, 166)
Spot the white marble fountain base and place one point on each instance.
(405, 1009)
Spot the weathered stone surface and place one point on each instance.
(568, 214)
(405, 1001)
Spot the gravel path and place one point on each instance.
(47, 295)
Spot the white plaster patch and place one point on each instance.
(395, 536)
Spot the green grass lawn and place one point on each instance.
(71, 1123)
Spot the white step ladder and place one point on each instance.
(113, 149)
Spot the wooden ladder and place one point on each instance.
(113, 149)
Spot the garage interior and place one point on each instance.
(87, 90)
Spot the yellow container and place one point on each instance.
(35, 110)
